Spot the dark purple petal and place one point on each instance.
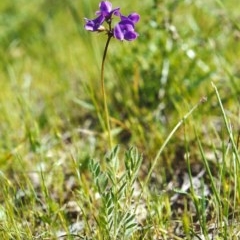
(126, 26)
(123, 17)
(105, 9)
(118, 33)
(105, 6)
(116, 12)
(126, 22)
(134, 17)
(95, 24)
(130, 36)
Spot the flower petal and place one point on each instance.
(130, 36)
(134, 17)
(117, 32)
(127, 26)
(95, 24)
(105, 6)
(116, 12)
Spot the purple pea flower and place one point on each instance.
(95, 24)
(125, 28)
(104, 14)
(134, 17)
(107, 11)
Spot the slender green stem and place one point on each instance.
(104, 93)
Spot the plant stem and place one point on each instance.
(104, 93)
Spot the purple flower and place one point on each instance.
(104, 14)
(134, 17)
(106, 10)
(125, 28)
(95, 24)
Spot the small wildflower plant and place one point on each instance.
(115, 184)
(116, 216)
(123, 30)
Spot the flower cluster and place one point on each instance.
(123, 30)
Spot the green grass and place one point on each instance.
(173, 98)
